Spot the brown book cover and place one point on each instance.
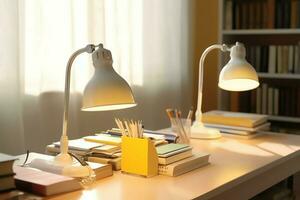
(294, 14)
(228, 14)
(257, 14)
(271, 14)
(251, 15)
(234, 101)
(237, 14)
(244, 15)
(298, 102)
(253, 101)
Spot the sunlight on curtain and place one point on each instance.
(54, 29)
(150, 44)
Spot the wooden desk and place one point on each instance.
(239, 169)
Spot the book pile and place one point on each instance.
(6, 172)
(282, 59)
(43, 183)
(37, 179)
(282, 101)
(177, 159)
(101, 148)
(243, 124)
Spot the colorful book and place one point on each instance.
(272, 59)
(185, 165)
(43, 183)
(105, 139)
(167, 150)
(174, 158)
(264, 126)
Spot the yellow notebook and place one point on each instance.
(233, 118)
(105, 139)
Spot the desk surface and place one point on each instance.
(232, 163)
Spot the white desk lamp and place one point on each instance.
(105, 91)
(237, 75)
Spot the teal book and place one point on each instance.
(171, 149)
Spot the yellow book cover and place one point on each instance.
(233, 118)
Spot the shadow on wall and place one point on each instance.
(43, 115)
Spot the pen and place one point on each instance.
(190, 114)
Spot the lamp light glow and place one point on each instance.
(105, 91)
(237, 75)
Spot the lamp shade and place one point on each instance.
(106, 90)
(238, 74)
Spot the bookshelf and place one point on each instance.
(265, 26)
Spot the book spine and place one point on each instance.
(228, 14)
(165, 170)
(271, 14)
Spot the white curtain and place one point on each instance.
(150, 44)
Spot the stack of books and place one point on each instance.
(6, 172)
(102, 149)
(177, 159)
(243, 124)
(105, 147)
(43, 183)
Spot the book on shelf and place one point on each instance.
(43, 183)
(233, 118)
(184, 165)
(6, 172)
(278, 100)
(266, 14)
(274, 59)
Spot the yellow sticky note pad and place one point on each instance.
(139, 156)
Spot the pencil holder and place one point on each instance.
(139, 156)
(182, 128)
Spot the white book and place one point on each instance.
(80, 145)
(270, 100)
(264, 98)
(291, 59)
(276, 101)
(272, 59)
(185, 165)
(258, 100)
(285, 58)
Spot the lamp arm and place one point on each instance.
(223, 48)
(64, 139)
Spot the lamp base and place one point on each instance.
(199, 131)
(61, 165)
